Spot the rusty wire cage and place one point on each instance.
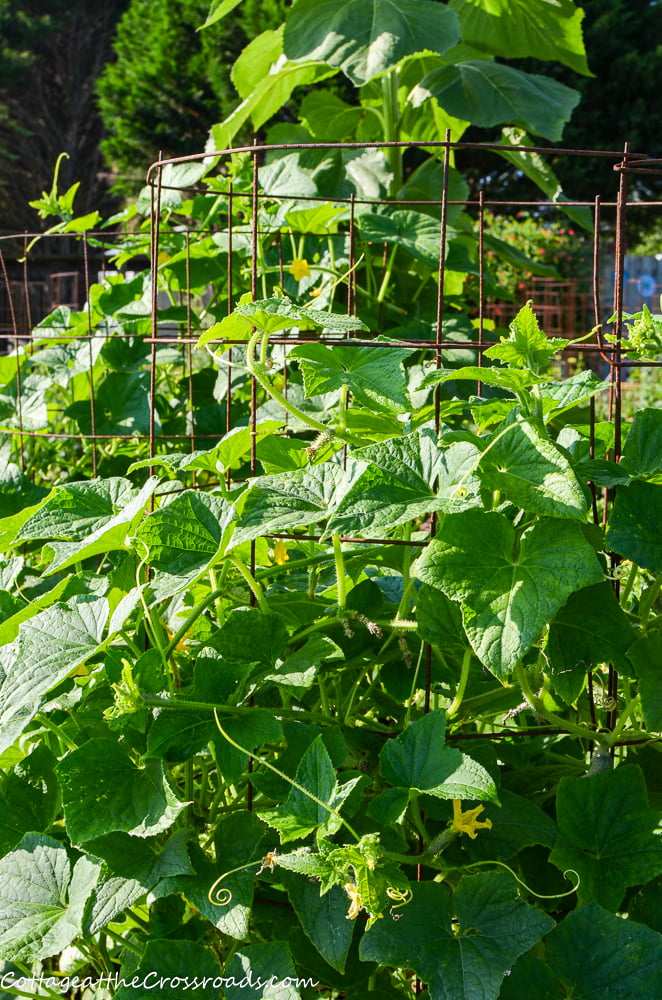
(54, 326)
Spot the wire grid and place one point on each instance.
(244, 234)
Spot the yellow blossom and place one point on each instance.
(355, 905)
(280, 552)
(466, 822)
(299, 268)
(315, 292)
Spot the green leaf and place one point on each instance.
(268, 636)
(232, 447)
(290, 500)
(532, 472)
(463, 962)
(183, 539)
(28, 798)
(559, 397)
(527, 346)
(646, 655)
(523, 28)
(145, 860)
(418, 759)
(90, 518)
(322, 918)
(42, 899)
(416, 233)
(635, 525)
(104, 791)
(519, 823)
(250, 970)
(589, 629)
(595, 955)
(121, 406)
(176, 968)
(606, 834)
(407, 478)
(488, 93)
(178, 736)
(439, 620)
(514, 380)
(300, 815)
(642, 452)
(374, 375)
(218, 10)
(49, 647)
(509, 588)
(367, 37)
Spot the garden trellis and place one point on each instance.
(332, 547)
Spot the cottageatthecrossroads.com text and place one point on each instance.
(150, 981)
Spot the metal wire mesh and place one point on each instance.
(258, 243)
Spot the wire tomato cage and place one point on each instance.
(103, 330)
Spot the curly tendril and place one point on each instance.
(554, 895)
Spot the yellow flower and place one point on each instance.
(315, 292)
(299, 268)
(280, 552)
(355, 905)
(466, 822)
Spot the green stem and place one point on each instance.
(259, 371)
(190, 621)
(44, 721)
(454, 706)
(391, 119)
(647, 602)
(290, 781)
(340, 571)
(623, 718)
(255, 587)
(627, 590)
(538, 706)
(386, 280)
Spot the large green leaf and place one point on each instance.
(90, 518)
(182, 539)
(367, 37)
(416, 233)
(466, 961)
(49, 647)
(121, 406)
(635, 524)
(598, 956)
(218, 10)
(103, 791)
(177, 968)
(591, 628)
(488, 93)
(607, 834)
(268, 637)
(642, 452)
(509, 587)
(529, 469)
(518, 29)
(418, 759)
(323, 918)
(250, 971)
(290, 500)
(42, 898)
(300, 814)
(646, 655)
(374, 375)
(407, 478)
(28, 797)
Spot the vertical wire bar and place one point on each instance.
(254, 241)
(189, 348)
(597, 320)
(93, 418)
(441, 276)
(615, 414)
(481, 281)
(351, 281)
(19, 384)
(228, 383)
(26, 292)
(155, 233)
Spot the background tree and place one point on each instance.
(170, 82)
(52, 52)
